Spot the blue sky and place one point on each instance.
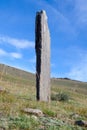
(67, 20)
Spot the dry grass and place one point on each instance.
(20, 93)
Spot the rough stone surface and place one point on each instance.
(2, 128)
(42, 46)
(36, 112)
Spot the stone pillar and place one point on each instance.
(42, 46)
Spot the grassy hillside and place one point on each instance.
(7, 70)
(19, 92)
(14, 75)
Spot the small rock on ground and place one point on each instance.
(36, 112)
(81, 123)
(2, 89)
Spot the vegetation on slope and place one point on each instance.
(19, 93)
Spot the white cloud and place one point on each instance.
(2, 52)
(18, 43)
(15, 55)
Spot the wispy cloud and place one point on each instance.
(78, 73)
(76, 18)
(18, 43)
(15, 55)
(79, 10)
(80, 13)
(72, 63)
(79, 70)
(60, 19)
(2, 52)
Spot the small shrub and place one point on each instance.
(49, 113)
(60, 97)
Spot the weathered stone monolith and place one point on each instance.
(42, 46)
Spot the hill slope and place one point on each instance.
(8, 70)
(19, 92)
(9, 73)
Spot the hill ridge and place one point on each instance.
(16, 72)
